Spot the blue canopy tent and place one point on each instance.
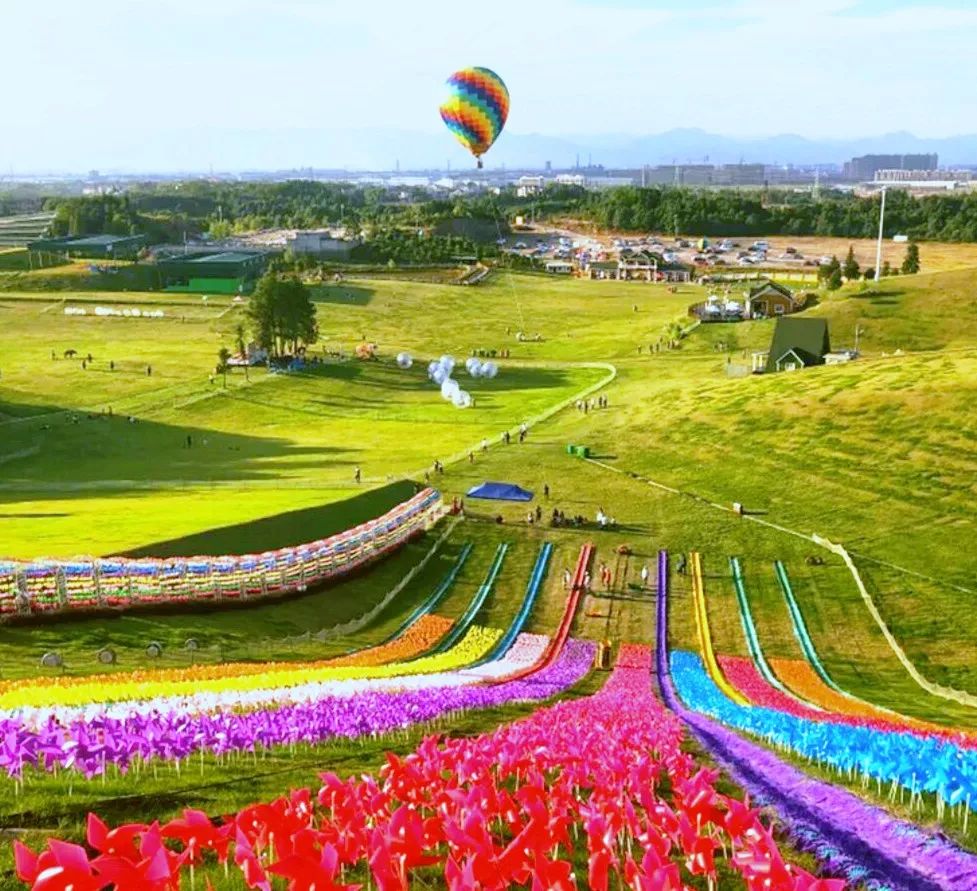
(500, 492)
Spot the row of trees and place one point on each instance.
(833, 274)
(733, 212)
(224, 209)
(390, 218)
(413, 249)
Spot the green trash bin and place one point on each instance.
(583, 452)
(571, 450)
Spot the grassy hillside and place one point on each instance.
(877, 454)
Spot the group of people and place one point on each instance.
(559, 518)
(659, 346)
(588, 405)
(606, 577)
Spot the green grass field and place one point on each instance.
(878, 454)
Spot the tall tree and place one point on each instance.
(850, 267)
(910, 264)
(834, 279)
(282, 314)
(827, 271)
(223, 356)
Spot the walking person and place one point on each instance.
(566, 578)
(644, 576)
(357, 475)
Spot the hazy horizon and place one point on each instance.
(116, 85)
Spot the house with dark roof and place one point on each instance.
(796, 343)
(769, 299)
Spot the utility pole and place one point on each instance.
(878, 247)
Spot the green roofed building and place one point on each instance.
(91, 247)
(798, 343)
(225, 272)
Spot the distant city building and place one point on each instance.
(529, 185)
(865, 167)
(704, 175)
(904, 176)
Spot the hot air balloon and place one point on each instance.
(476, 108)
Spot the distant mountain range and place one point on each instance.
(379, 149)
(687, 146)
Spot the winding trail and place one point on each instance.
(950, 694)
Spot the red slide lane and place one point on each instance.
(555, 646)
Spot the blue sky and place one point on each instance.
(105, 79)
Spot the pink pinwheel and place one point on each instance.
(29, 865)
(653, 874)
(460, 878)
(382, 865)
(804, 881)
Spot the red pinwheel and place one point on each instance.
(68, 869)
(248, 862)
(197, 834)
(120, 841)
(153, 873)
(307, 873)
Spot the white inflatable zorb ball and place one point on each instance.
(439, 375)
(448, 363)
(462, 399)
(449, 388)
(490, 370)
(404, 360)
(474, 367)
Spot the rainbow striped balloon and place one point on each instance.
(476, 108)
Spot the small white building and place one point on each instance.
(526, 186)
(320, 243)
(839, 357)
(559, 267)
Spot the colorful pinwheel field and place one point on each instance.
(597, 792)
(606, 789)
